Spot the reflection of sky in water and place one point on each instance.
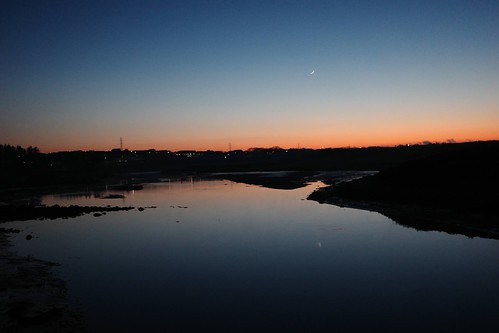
(248, 257)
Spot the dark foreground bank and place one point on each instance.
(32, 298)
(456, 192)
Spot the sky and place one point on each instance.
(209, 75)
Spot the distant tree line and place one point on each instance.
(23, 167)
(8, 151)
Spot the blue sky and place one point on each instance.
(200, 74)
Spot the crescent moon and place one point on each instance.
(312, 73)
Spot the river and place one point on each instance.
(215, 255)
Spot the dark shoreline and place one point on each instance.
(32, 297)
(421, 218)
(30, 212)
(455, 192)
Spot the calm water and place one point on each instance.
(245, 258)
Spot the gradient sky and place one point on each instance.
(198, 75)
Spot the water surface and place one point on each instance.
(232, 257)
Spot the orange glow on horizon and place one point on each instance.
(320, 143)
(375, 130)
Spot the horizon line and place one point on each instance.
(420, 143)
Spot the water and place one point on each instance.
(222, 256)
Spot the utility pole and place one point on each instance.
(121, 143)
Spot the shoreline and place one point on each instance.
(10, 213)
(32, 297)
(419, 217)
(455, 192)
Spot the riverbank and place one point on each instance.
(32, 212)
(32, 298)
(453, 192)
(422, 218)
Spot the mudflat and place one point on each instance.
(32, 298)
